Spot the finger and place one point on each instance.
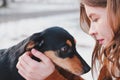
(20, 61)
(41, 56)
(22, 73)
(25, 73)
(21, 70)
(23, 64)
(28, 61)
(28, 76)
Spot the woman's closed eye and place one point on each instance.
(95, 20)
(93, 17)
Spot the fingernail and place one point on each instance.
(27, 53)
(34, 51)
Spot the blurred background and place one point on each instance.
(21, 18)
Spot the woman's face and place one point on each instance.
(99, 28)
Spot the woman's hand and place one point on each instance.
(33, 70)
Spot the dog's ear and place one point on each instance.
(33, 44)
(29, 45)
(36, 41)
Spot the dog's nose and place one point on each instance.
(86, 68)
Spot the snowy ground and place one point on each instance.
(13, 32)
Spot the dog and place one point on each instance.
(57, 44)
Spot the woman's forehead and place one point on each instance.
(94, 10)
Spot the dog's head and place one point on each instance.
(59, 46)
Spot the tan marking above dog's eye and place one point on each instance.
(69, 43)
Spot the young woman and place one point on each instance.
(101, 19)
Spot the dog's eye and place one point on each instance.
(65, 48)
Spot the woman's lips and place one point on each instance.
(100, 41)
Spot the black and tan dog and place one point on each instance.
(57, 44)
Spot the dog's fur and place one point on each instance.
(57, 44)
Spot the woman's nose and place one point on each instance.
(92, 31)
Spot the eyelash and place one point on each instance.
(95, 20)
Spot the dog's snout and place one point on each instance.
(85, 67)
